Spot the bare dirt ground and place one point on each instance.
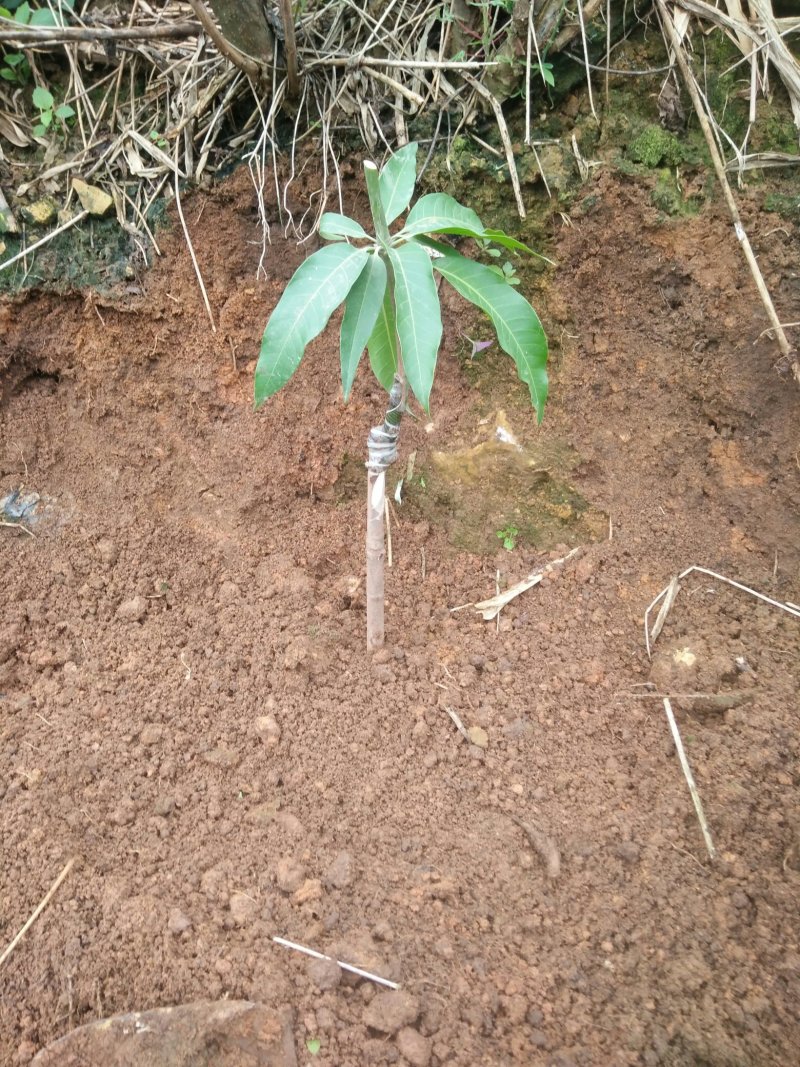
(186, 705)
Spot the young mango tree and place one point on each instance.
(391, 309)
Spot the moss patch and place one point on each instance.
(786, 206)
(656, 147)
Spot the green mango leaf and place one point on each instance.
(42, 98)
(419, 318)
(43, 16)
(517, 325)
(315, 291)
(334, 227)
(397, 181)
(503, 239)
(382, 343)
(439, 213)
(361, 310)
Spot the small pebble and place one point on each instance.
(390, 1011)
(178, 921)
(290, 874)
(340, 872)
(325, 974)
(414, 1047)
(133, 610)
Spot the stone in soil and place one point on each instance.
(340, 873)
(414, 1047)
(232, 1033)
(391, 1010)
(290, 874)
(325, 974)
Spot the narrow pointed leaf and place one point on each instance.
(361, 310)
(309, 300)
(503, 239)
(333, 227)
(419, 318)
(517, 325)
(436, 212)
(382, 343)
(397, 181)
(440, 213)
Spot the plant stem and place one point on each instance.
(382, 451)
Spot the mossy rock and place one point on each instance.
(786, 206)
(668, 197)
(656, 147)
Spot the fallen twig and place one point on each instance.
(543, 844)
(345, 966)
(672, 591)
(38, 36)
(687, 771)
(43, 240)
(719, 167)
(492, 607)
(504, 137)
(459, 725)
(37, 911)
(18, 526)
(787, 606)
(190, 246)
(700, 701)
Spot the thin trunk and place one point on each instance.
(382, 452)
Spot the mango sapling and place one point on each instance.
(391, 308)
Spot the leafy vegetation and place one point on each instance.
(386, 282)
(387, 285)
(508, 536)
(44, 101)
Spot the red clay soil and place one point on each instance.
(186, 705)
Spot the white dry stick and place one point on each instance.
(345, 966)
(18, 526)
(672, 591)
(38, 911)
(43, 241)
(719, 166)
(189, 244)
(492, 607)
(787, 606)
(586, 60)
(459, 725)
(504, 137)
(687, 770)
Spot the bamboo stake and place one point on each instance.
(382, 450)
(719, 167)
